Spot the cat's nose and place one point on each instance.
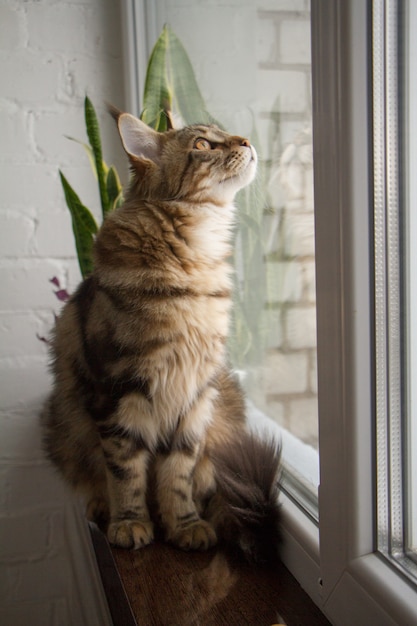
(245, 142)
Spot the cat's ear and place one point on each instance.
(170, 121)
(139, 140)
(174, 120)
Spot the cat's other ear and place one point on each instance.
(139, 140)
(114, 111)
(170, 121)
(174, 120)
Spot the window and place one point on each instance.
(394, 111)
(352, 542)
(410, 132)
(256, 81)
(359, 50)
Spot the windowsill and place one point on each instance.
(199, 587)
(300, 533)
(300, 548)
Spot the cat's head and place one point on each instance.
(200, 163)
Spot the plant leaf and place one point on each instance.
(83, 226)
(89, 152)
(171, 85)
(249, 222)
(93, 132)
(187, 99)
(157, 96)
(114, 188)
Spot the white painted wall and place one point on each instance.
(51, 54)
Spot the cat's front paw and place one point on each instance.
(130, 534)
(198, 536)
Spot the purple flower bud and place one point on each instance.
(62, 294)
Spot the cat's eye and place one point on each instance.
(202, 144)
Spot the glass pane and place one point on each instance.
(395, 223)
(387, 277)
(252, 62)
(411, 157)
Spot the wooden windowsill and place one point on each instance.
(162, 586)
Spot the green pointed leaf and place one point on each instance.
(241, 338)
(114, 188)
(249, 222)
(118, 201)
(93, 132)
(187, 99)
(89, 152)
(83, 226)
(171, 85)
(157, 96)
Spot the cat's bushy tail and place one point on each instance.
(245, 509)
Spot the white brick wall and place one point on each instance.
(286, 384)
(51, 55)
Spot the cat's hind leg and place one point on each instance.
(98, 510)
(71, 442)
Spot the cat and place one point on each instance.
(146, 419)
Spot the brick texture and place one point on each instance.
(51, 55)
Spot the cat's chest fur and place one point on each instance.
(164, 324)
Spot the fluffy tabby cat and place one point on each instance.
(145, 418)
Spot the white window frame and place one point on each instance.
(412, 202)
(340, 569)
(358, 585)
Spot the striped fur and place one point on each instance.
(143, 398)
